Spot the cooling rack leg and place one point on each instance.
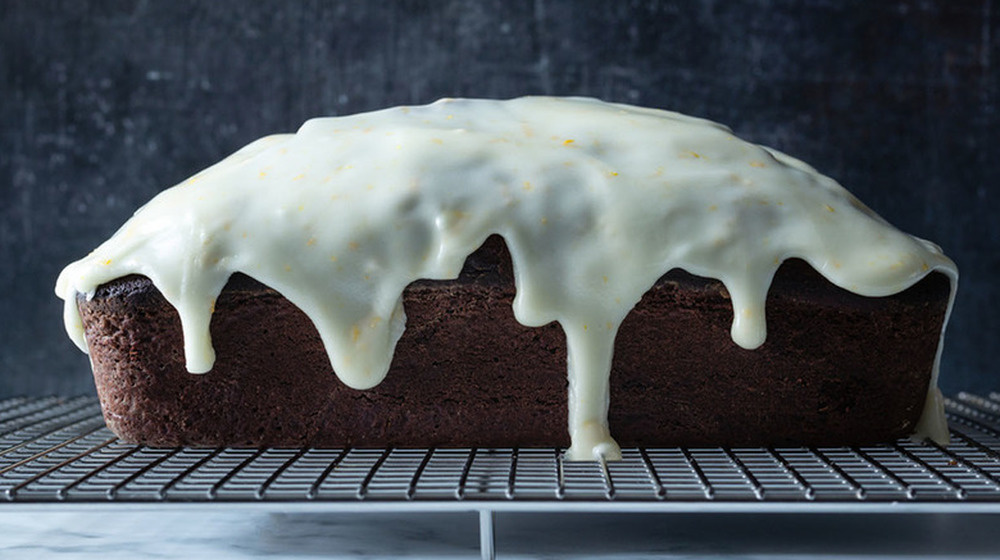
(487, 542)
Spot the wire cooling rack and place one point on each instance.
(58, 450)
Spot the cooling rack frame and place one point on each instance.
(56, 453)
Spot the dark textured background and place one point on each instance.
(103, 104)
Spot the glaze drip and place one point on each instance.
(595, 201)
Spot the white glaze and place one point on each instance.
(595, 201)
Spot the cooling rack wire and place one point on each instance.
(58, 451)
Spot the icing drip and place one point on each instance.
(595, 201)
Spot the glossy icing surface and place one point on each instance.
(595, 201)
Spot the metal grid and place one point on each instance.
(55, 450)
(58, 450)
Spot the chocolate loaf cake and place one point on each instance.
(837, 368)
(420, 276)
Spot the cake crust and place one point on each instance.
(836, 369)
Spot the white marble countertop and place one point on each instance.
(223, 534)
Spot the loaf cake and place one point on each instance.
(554, 262)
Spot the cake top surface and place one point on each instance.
(595, 201)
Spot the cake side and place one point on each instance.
(837, 368)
